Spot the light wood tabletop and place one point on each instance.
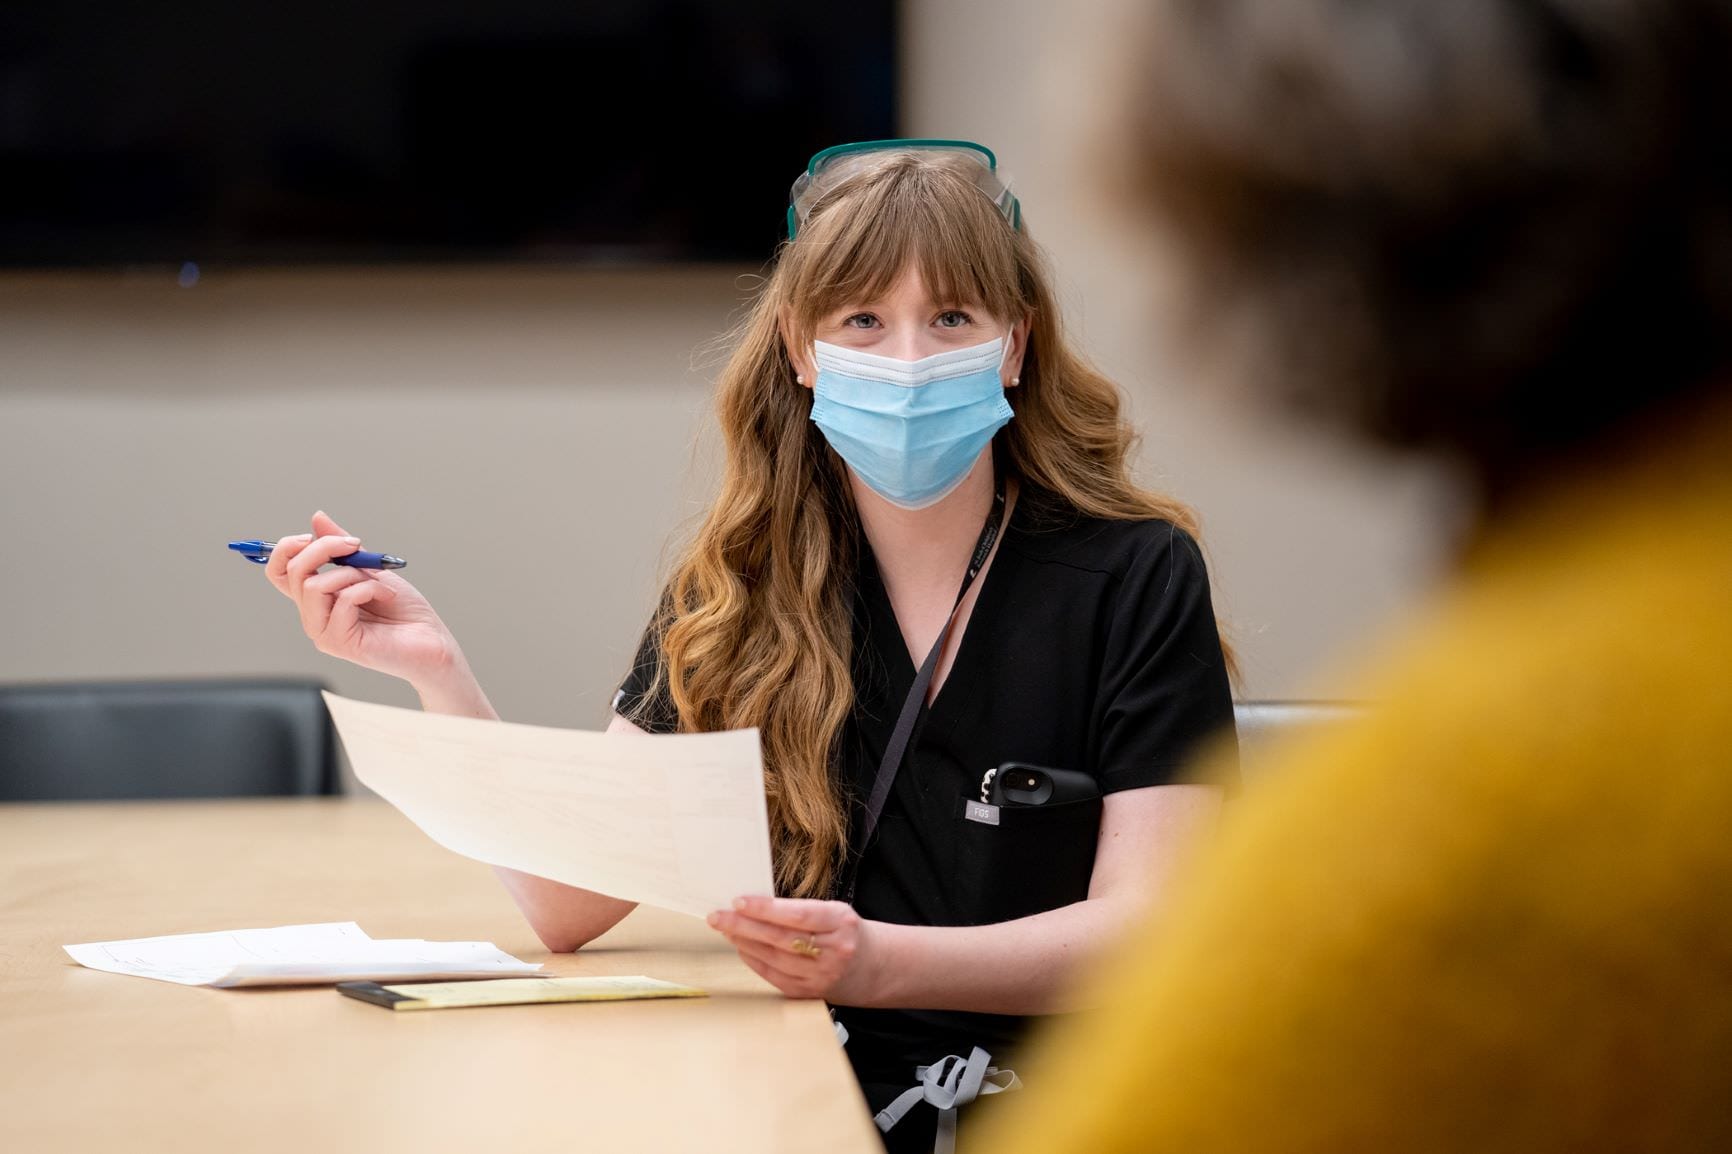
(98, 1061)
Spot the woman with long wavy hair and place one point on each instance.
(928, 568)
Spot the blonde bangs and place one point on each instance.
(905, 212)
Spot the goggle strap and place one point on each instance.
(1005, 201)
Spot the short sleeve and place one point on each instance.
(1165, 690)
(643, 698)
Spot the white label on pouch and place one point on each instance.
(981, 812)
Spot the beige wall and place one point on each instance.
(523, 438)
(526, 437)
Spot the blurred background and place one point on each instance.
(456, 275)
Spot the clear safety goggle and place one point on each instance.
(826, 169)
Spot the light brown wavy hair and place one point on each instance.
(755, 629)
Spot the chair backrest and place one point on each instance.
(1264, 726)
(161, 739)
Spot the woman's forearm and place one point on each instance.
(1032, 965)
(1029, 966)
(564, 917)
(455, 690)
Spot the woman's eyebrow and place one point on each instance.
(931, 306)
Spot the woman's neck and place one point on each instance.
(925, 552)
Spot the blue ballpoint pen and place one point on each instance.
(260, 552)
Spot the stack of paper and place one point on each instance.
(294, 955)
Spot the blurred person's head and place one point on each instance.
(1499, 228)
(903, 256)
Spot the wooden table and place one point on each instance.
(104, 1062)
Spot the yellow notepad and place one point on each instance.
(513, 992)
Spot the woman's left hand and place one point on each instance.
(805, 948)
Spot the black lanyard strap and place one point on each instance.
(916, 700)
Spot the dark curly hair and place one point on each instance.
(1501, 228)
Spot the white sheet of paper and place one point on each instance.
(673, 820)
(294, 955)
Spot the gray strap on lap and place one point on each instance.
(948, 1084)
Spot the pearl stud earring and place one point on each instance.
(799, 379)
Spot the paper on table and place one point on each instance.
(293, 955)
(674, 820)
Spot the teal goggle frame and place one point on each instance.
(834, 159)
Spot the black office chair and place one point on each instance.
(1264, 726)
(161, 739)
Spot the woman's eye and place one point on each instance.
(954, 319)
(860, 321)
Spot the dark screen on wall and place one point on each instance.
(261, 132)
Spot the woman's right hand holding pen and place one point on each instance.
(374, 618)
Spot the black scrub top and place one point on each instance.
(1092, 646)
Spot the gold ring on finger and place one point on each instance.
(806, 947)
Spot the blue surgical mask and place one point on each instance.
(910, 429)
